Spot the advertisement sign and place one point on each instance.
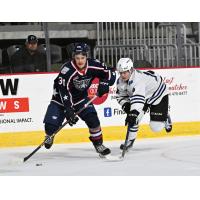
(24, 100)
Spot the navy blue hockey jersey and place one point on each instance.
(71, 85)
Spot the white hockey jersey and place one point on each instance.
(142, 87)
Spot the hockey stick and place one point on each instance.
(127, 134)
(120, 157)
(78, 112)
(125, 143)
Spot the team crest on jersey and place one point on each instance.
(64, 70)
(81, 84)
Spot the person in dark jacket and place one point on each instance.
(28, 58)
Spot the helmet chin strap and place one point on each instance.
(130, 71)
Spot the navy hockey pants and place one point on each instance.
(55, 116)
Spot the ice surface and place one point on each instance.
(164, 156)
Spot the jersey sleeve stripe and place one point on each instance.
(157, 91)
(137, 95)
(158, 94)
(135, 98)
(120, 100)
(137, 102)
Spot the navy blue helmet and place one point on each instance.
(80, 48)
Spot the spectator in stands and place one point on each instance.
(28, 58)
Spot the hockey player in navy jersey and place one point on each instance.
(70, 94)
(139, 91)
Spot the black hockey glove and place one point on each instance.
(126, 107)
(70, 116)
(103, 88)
(132, 118)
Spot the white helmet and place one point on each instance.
(124, 64)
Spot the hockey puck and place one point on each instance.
(38, 164)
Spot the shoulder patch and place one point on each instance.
(97, 60)
(64, 70)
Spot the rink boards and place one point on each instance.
(25, 99)
(81, 134)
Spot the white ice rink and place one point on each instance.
(164, 156)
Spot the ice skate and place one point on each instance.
(49, 141)
(168, 124)
(100, 148)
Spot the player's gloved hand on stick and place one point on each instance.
(131, 118)
(70, 116)
(103, 88)
(126, 107)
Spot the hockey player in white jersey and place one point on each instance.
(137, 92)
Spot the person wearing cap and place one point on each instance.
(70, 95)
(28, 58)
